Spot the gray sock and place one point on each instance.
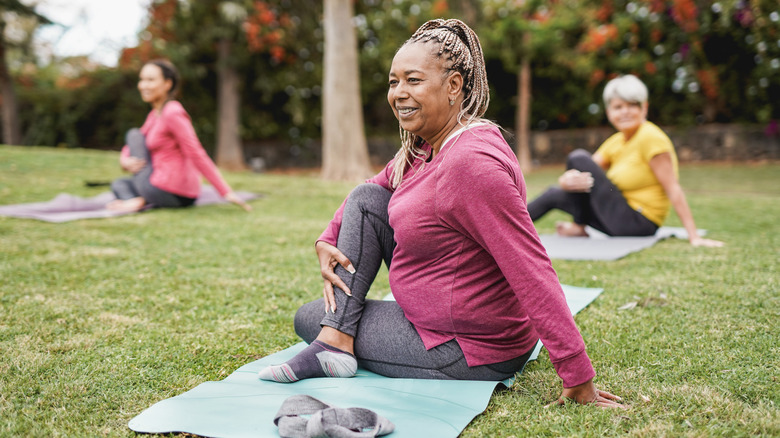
(317, 360)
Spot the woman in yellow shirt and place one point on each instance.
(625, 188)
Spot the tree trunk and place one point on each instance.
(523, 118)
(11, 130)
(230, 152)
(344, 149)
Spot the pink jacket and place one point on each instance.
(178, 158)
(469, 264)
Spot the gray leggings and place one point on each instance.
(385, 341)
(604, 208)
(138, 185)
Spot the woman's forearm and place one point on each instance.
(683, 210)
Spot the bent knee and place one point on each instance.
(368, 197)
(368, 190)
(133, 135)
(307, 320)
(578, 158)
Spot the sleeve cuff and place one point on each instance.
(327, 238)
(575, 370)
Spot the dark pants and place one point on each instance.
(138, 185)
(385, 341)
(603, 208)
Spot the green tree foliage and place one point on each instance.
(703, 60)
(87, 110)
(25, 20)
(276, 48)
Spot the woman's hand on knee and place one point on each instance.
(132, 164)
(330, 257)
(586, 394)
(575, 181)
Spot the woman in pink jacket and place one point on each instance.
(474, 289)
(165, 155)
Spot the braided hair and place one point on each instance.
(461, 51)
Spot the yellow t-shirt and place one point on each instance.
(629, 169)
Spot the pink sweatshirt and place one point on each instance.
(469, 264)
(178, 158)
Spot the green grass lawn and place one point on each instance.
(100, 319)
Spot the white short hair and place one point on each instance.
(628, 88)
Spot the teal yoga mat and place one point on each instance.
(241, 405)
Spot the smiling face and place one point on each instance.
(153, 86)
(420, 92)
(626, 116)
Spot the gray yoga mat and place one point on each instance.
(241, 405)
(66, 207)
(599, 246)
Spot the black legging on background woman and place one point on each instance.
(603, 208)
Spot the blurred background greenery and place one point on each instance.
(704, 62)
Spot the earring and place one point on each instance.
(452, 102)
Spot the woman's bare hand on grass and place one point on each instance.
(708, 243)
(232, 197)
(586, 394)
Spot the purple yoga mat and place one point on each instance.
(65, 207)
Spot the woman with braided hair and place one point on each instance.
(474, 288)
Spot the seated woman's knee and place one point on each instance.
(307, 320)
(577, 157)
(367, 190)
(367, 196)
(133, 135)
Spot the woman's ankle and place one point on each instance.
(338, 339)
(570, 229)
(127, 205)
